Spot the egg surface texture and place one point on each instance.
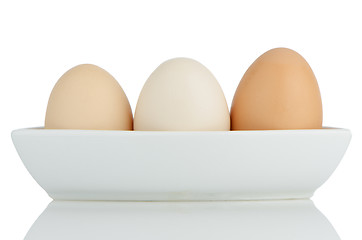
(88, 97)
(182, 95)
(278, 91)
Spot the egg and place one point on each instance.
(88, 97)
(181, 95)
(278, 91)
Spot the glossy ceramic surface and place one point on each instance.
(176, 166)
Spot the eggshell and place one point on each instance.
(278, 91)
(182, 95)
(88, 97)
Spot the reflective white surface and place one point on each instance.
(252, 220)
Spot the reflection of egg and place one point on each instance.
(88, 97)
(182, 95)
(278, 91)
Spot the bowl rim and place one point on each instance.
(89, 131)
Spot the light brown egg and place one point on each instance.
(88, 97)
(278, 91)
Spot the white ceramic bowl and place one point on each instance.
(173, 166)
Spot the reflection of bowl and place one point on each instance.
(231, 220)
(137, 165)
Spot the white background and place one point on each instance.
(40, 40)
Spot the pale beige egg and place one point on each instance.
(88, 97)
(182, 95)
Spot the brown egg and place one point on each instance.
(88, 97)
(278, 91)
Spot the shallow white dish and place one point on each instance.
(136, 165)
